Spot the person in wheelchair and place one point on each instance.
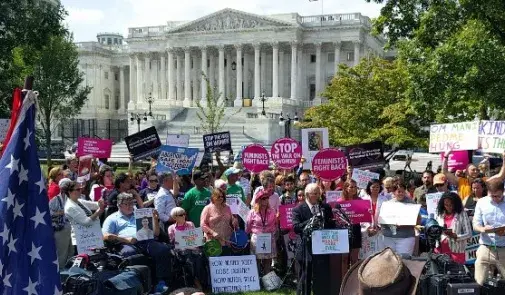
(120, 228)
(191, 259)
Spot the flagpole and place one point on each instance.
(28, 83)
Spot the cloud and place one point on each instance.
(84, 16)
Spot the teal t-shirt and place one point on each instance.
(235, 191)
(194, 201)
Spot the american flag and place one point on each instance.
(28, 261)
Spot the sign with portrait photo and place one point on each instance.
(144, 223)
(313, 140)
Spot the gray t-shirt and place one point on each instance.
(401, 233)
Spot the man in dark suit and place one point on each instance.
(313, 268)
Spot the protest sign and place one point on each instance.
(98, 148)
(190, 238)
(255, 158)
(457, 160)
(4, 127)
(232, 202)
(179, 140)
(243, 209)
(178, 159)
(101, 192)
(492, 136)
(454, 136)
(263, 243)
(88, 237)
(329, 164)
(313, 140)
(234, 274)
(397, 213)
(471, 248)
(333, 196)
(286, 153)
(144, 223)
(330, 241)
(362, 178)
(366, 155)
(84, 169)
(432, 203)
(217, 142)
(369, 245)
(285, 216)
(357, 210)
(143, 144)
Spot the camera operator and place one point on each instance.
(317, 215)
(489, 221)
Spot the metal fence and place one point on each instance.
(71, 130)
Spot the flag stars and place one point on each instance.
(7, 282)
(39, 217)
(31, 287)
(27, 139)
(17, 209)
(12, 245)
(34, 254)
(9, 199)
(5, 234)
(13, 165)
(23, 175)
(41, 183)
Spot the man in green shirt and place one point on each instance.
(196, 198)
(234, 190)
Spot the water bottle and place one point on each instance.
(161, 287)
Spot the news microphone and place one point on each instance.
(342, 214)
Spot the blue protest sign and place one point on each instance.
(178, 159)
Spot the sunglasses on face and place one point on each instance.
(129, 204)
(181, 215)
(439, 185)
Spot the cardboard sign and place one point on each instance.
(329, 164)
(492, 136)
(471, 248)
(365, 155)
(333, 196)
(88, 237)
(457, 160)
(362, 178)
(179, 140)
(397, 213)
(313, 140)
(330, 241)
(285, 216)
(190, 238)
(432, 203)
(357, 210)
(144, 223)
(84, 169)
(4, 127)
(98, 148)
(143, 144)
(255, 158)
(234, 274)
(286, 153)
(217, 142)
(454, 136)
(264, 243)
(178, 159)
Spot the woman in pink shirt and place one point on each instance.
(262, 221)
(216, 219)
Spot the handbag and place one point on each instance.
(58, 222)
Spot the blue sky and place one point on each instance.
(89, 17)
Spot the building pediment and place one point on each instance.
(230, 19)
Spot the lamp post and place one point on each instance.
(263, 99)
(150, 101)
(287, 124)
(138, 117)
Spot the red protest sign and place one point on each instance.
(329, 164)
(98, 148)
(285, 217)
(286, 153)
(357, 210)
(255, 158)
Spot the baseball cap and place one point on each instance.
(232, 170)
(199, 175)
(440, 178)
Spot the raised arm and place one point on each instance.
(501, 175)
(445, 169)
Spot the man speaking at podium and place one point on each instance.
(309, 216)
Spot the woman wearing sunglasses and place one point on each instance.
(149, 193)
(79, 211)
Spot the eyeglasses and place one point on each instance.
(180, 215)
(153, 180)
(439, 185)
(129, 204)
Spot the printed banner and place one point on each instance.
(313, 140)
(178, 159)
(84, 169)
(330, 241)
(366, 155)
(88, 237)
(492, 136)
(255, 158)
(454, 136)
(397, 213)
(457, 160)
(217, 142)
(143, 144)
(144, 223)
(286, 153)
(329, 164)
(432, 203)
(234, 274)
(191, 238)
(98, 148)
(357, 210)
(333, 196)
(179, 140)
(285, 216)
(362, 178)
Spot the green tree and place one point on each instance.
(367, 103)
(28, 24)
(58, 80)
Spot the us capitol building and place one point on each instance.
(260, 64)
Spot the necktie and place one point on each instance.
(315, 210)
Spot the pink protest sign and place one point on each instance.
(285, 218)
(255, 158)
(329, 164)
(286, 153)
(357, 210)
(98, 148)
(458, 160)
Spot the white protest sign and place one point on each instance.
(333, 196)
(369, 245)
(492, 136)
(397, 213)
(190, 238)
(362, 177)
(432, 203)
(179, 140)
(454, 136)
(245, 184)
(234, 274)
(243, 210)
(88, 237)
(313, 140)
(144, 224)
(330, 241)
(199, 159)
(264, 243)
(232, 202)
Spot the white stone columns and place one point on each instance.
(281, 73)
(204, 71)
(263, 73)
(238, 99)
(133, 74)
(318, 70)
(171, 75)
(121, 90)
(163, 77)
(228, 70)
(212, 70)
(338, 46)
(140, 80)
(187, 77)
(275, 69)
(179, 80)
(357, 47)
(221, 74)
(194, 85)
(294, 53)
(245, 76)
(257, 77)
(147, 73)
